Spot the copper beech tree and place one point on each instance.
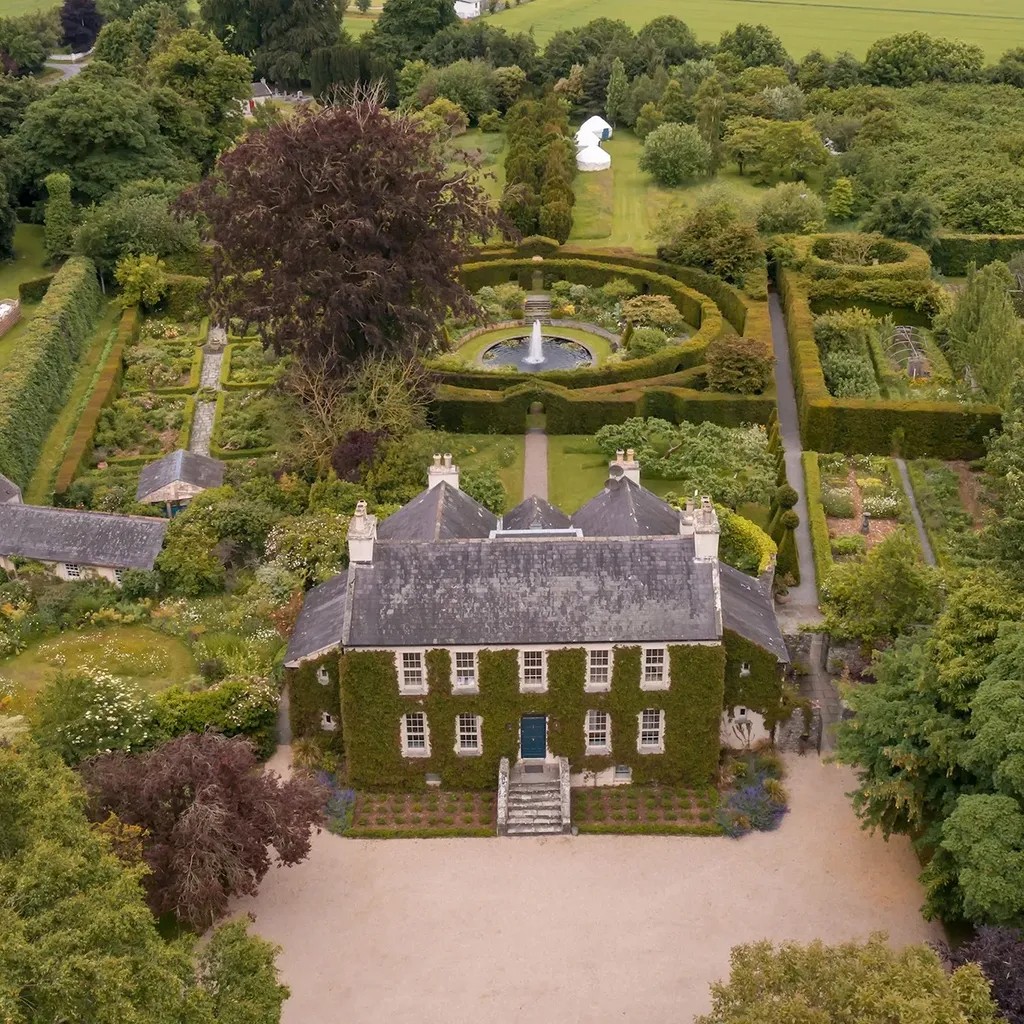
(212, 817)
(340, 231)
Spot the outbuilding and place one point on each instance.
(176, 479)
(597, 126)
(593, 158)
(10, 492)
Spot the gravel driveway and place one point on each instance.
(590, 929)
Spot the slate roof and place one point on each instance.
(747, 609)
(442, 512)
(531, 590)
(180, 466)
(8, 490)
(535, 514)
(85, 538)
(625, 509)
(320, 622)
(259, 90)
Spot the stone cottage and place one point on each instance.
(177, 478)
(77, 545)
(611, 645)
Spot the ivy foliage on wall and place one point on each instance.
(308, 699)
(762, 690)
(371, 710)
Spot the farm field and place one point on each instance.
(827, 25)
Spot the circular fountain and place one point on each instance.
(538, 351)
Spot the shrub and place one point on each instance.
(791, 209)
(837, 502)
(484, 485)
(849, 546)
(645, 341)
(907, 216)
(143, 281)
(490, 122)
(849, 375)
(739, 365)
(717, 236)
(674, 153)
(652, 311)
(744, 545)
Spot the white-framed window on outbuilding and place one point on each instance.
(599, 740)
(72, 570)
(119, 576)
(412, 676)
(531, 670)
(744, 668)
(599, 670)
(464, 671)
(651, 734)
(323, 677)
(415, 735)
(655, 675)
(467, 730)
(327, 722)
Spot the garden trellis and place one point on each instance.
(906, 350)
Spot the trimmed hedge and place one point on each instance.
(185, 294)
(192, 264)
(225, 367)
(34, 290)
(106, 390)
(951, 253)
(34, 386)
(234, 453)
(913, 262)
(817, 523)
(947, 430)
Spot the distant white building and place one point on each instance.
(596, 126)
(466, 9)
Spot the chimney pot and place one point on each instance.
(619, 453)
(447, 459)
(360, 509)
(630, 455)
(437, 459)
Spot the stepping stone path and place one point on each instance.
(209, 378)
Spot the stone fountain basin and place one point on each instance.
(561, 352)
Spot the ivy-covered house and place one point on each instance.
(613, 638)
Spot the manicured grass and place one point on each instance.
(505, 451)
(622, 208)
(472, 350)
(803, 25)
(136, 653)
(27, 264)
(40, 487)
(355, 25)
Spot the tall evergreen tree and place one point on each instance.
(60, 216)
(711, 106)
(674, 105)
(617, 95)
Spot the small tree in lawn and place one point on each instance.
(60, 216)
(359, 250)
(675, 153)
(211, 815)
(839, 205)
(791, 209)
(739, 365)
(143, 280)
(81, 23)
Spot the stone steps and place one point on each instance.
(534, 809)
(537, 307)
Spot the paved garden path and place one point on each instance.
(584, 930)
(915, 512)
(802, 607)
(209, 379)
(535, 464)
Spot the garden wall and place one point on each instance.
(34, 385)
(914, 428)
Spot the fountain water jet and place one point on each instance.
(536, 353)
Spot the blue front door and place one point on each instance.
(533, 735)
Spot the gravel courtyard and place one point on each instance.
(590, 929)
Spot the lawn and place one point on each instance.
(504, 451)
(620, 208)
(28, 263)
(136, 653)
(487, 151)
(803, 25)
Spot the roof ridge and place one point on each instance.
(86, 512)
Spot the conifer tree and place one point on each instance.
(60, 216)
(617, 95)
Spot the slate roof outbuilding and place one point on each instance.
(441, 512)
(625, 509)
(179, 466)
(747, 609)
(535, 514)
(9, 490)
(83, 538)
(320, 623)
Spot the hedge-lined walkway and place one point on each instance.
(209, 380)
(535, 464)
(915, 512)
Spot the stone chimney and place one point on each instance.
(362, 532)
(443, 471)
(686, 519)
(625, 465)
(705, 531)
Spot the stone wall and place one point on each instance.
(10, 314)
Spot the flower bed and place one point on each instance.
(140, 427)
(430, 813)
(851, 486)
(247, 422)
(163, 367)
(953, 501)
(655, 810)
(250, 365)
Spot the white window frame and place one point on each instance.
(73, 570)
(654, 684)
(590, 686)
(478, 722)
(647, 747)
(744, 669)
(327, 722)
(401, 668)
(119, 576)
(593, 749)
(408, 751)
(542, 686)
(461, 687)
(323, 677)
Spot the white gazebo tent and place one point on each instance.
(593, 158)
(597, 126)
(585, 139)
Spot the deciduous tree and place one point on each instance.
(774, 150)
(753, 45)
(791, 209)
(81, 23)
(211, 815)
(354, 227)
(907, 216)
(8, 222)
(674, 153)
(617, 95)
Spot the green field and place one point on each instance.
(27, 264)
(828, 25)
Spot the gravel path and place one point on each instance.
(535, 465)
(915, 512)
(580, 930)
